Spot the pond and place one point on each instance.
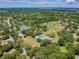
(24, 27)
(42, 37)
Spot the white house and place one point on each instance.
(74, 36)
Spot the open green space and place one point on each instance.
(63, 49)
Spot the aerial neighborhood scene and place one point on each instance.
(39, 29)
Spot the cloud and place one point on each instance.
(30, 0)
(14, 1)
(39, 3)
(70, 1)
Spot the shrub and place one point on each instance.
(45, 42)
(61, 42)
(38, 40)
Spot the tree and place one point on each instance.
(31, 53)
(70, 54)
(5, 37)
(70, 50)
(45, 42)
(7, 47)
(57, 56)
(38, 40)
(77, 48)
(61, 42)
(77, 39)
(69, 45)
(21, 57)
(7, 57)
(40, 55)
(1, 52)
(67, 37)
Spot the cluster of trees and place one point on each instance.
(52, 51)
(65, 37)
(34, 19)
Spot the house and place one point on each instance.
(21, 35)
(24, 27)
(11, 39)
(74, 36)
(3, 42)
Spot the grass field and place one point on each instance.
(63, 49)
(53, 28)
(31, 41)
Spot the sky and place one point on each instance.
(39, 3)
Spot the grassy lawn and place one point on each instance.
(53, 28)
(63, 49)
(31, 41)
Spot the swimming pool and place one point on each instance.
(42, 37)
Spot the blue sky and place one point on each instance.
(39, 3)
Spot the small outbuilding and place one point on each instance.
(24, 27)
